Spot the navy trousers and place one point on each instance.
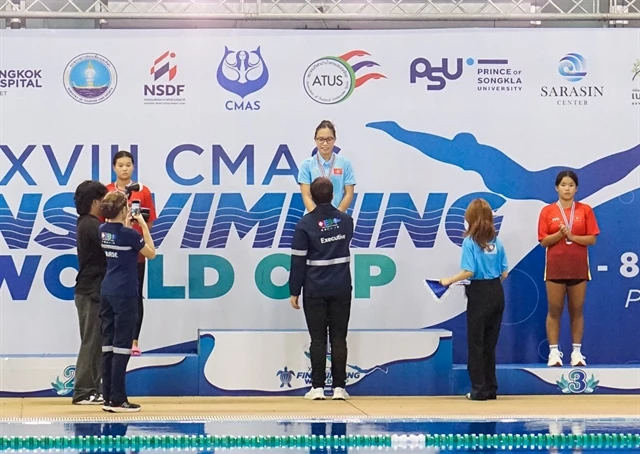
(118, 317)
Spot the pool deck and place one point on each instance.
(176, 408)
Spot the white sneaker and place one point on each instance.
(577, 360)
(340, 394)
(555, 358)
(315, 394)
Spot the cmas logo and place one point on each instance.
(63, 388)
(90, 78)
(578, 382)
(242, 73)
(573, 69)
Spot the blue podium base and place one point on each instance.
(276, 363)
(532, 379)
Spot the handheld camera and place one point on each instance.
(131, 188)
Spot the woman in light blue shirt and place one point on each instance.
(327, 163)
(484, 263)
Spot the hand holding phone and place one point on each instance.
(135, 208)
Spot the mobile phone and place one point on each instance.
(135, 208)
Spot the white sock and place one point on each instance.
(552, 348)
(576, 347)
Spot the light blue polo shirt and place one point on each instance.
(341, 174)
(489, 264)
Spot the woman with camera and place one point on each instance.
(138, 194)
(119, 295)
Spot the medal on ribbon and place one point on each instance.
(568, 223)
(321, 166)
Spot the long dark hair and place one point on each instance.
(479, 215)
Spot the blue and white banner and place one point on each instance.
(219, 122)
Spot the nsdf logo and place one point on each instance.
(164, 89)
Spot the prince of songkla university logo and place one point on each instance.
(577, 383)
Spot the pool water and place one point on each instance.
(322, 436)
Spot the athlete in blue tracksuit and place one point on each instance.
(320, 257)
(119, 295)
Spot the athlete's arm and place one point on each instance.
(305, 189)
(585, 240)
(347, 198)
(545, 238)
(304, 180)
(349, 187)
(592, 229)
(552, 239)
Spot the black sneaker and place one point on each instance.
(106, 406)
(125, 407)
(94, 399)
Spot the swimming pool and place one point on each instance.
(281, 435)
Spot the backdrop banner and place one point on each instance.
(219, 122)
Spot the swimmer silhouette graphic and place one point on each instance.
(502, 175)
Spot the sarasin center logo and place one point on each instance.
(572, 68)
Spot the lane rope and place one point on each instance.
(391, 441)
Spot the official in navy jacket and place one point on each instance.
(320, 269)
(119, 295)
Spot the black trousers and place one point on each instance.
(141, 269)
(118, 316)
(328, 313)
(485, 307)
(88, 365)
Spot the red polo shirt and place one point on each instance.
(567, 261)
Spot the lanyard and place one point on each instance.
(568, 223)
(321, 166)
